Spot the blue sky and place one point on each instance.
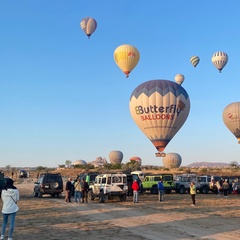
(62, 97)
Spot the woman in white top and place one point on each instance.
(10, 196)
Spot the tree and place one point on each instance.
(8, 167)
(233, 164)
(68, 163)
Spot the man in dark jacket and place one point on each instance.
(68, 190)
(85, 188)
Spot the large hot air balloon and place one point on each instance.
(179, 78)
(126, 57)
(231, 118)
(172, 160)
(219, 60)
(194, 60)
(136, 159)
(88, 25)
(115, 157)
(159, 108)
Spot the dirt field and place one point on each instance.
(50, 218)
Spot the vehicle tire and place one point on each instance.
(154, 190)
(39, 195)
(58, 195)
(204, 190)
(101, 197)
(124, 198)
(182, 190)
(35, 194)
(168, 191)
(90, 195)
(54, 185)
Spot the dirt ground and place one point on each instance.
(50, 218)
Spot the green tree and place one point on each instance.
(68, 163)
(233, 164)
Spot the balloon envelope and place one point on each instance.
(194, 60)
(219, 60)
(88, 25)
(115, 157)
(159, 108)
(136, 159)
(179, 78)
(231, 118)
(172, 160)
(126, 57)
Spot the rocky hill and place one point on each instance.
(208, 164)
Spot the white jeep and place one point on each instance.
(109, 186)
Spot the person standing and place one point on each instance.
(135, 188)
(85, 188)
(10, 197)
(68, 190)
(78, 191)
(193, 192)
(225, 187)
(160, 190)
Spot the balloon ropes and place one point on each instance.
(194, 60)
(159, 108)
(126, 57)
(231, 118)
(88, 25)
(219, 60)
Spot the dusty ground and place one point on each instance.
(50, 218)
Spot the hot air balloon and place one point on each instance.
(126, 57)
(115, 157)
(179, 78)
(136, 159)
(172, 160)
(159, 108)
(88, 25)
(231, 118)
(194, 60)
(219, 60)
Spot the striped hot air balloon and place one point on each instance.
(159, 108)
(88, 25)
(126, 57)
(194, 60)
(219, 60)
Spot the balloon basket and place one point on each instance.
(160, 154)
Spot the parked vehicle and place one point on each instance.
(182, 183)
(23, 173)
(109, 186)
(208, 183)
(48, 183)
(150, 183)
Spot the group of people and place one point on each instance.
(79, 188)
(136, 188)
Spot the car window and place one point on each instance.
(104, 180)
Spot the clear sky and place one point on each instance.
(62, 97)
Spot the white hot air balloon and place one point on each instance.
(231, 118)
(115, 157)
(159, 108)
(172, 160)
(219, 60)
(179, 78)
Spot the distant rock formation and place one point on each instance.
(99, 161)
(208, 164)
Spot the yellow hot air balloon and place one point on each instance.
(231, 118)
(126, 57)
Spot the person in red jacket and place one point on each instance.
(135, 188)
